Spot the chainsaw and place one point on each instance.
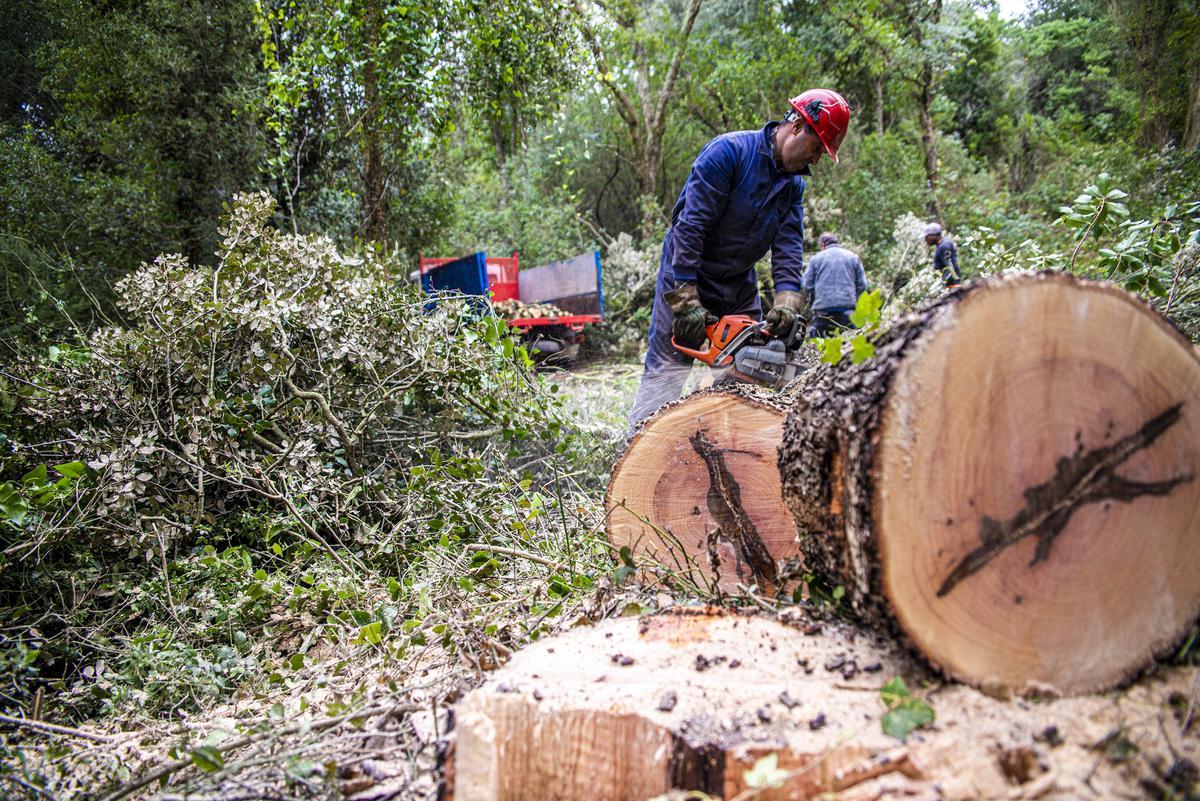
(744, 344)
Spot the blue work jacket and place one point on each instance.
(735, 206)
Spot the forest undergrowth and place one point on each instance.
(262, 537)
(258, 541)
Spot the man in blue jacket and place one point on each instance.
(945, 255)
(834, 280)
(744, 196)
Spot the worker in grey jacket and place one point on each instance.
(834, 280)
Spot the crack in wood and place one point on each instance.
(1079, 479)
(724, 499)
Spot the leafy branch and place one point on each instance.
(1093, 210)
(865, 317)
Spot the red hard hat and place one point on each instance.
(827, 113)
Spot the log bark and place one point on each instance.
(1009, 483)
(697, 492)
(692, 699)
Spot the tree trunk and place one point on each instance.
(697, 492)
(879, 104)
(1191, 135)
(647, 119)
(692, 699)
(1010, 482)
(374, 189)
(929, 145)
(926, 90)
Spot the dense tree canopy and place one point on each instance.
(541, 125)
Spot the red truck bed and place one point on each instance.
(570, 320)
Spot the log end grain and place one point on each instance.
(697, 492)
(1035, 504)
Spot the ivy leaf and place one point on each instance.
(862, 349)
(867, 308)
(35, 478)
(905, 713)
(831, 349)
(12, 506)
(894, 692)
(372, 633)
(72, 470)
(208, 759)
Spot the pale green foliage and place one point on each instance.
(628, 268)
(1094, 211)
(630, 272)
(909, 278)
(1154, 256)
(267, 435)
(991, 256)
(283, 356)
(766, 773)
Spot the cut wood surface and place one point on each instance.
(1010, 482)
(691, 699)
(697, 490)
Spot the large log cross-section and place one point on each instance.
(1008, 483)
(697, 491)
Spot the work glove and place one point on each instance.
(690, 316)
(788, 304)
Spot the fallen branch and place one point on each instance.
(541, 560)
(52, 728)
(307, 726)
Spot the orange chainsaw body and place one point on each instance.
(740, 342)
(720, 335)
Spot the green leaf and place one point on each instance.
(867, 308)
(559, 587)
(12, 506)
(893, 692)
(862, 349)
(910, 715)
(905, 713)
(371, 633)
(35, 477)
(831, 349)
(207, 758)
(72, 470)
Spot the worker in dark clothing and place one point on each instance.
(945, 255)
(744, 197)
(834, 280)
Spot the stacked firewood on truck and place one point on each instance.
(516, 310)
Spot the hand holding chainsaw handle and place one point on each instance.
(782, 316)
(690, 317)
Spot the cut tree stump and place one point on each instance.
(697, 490)
(691, 699)
(1010, 482)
